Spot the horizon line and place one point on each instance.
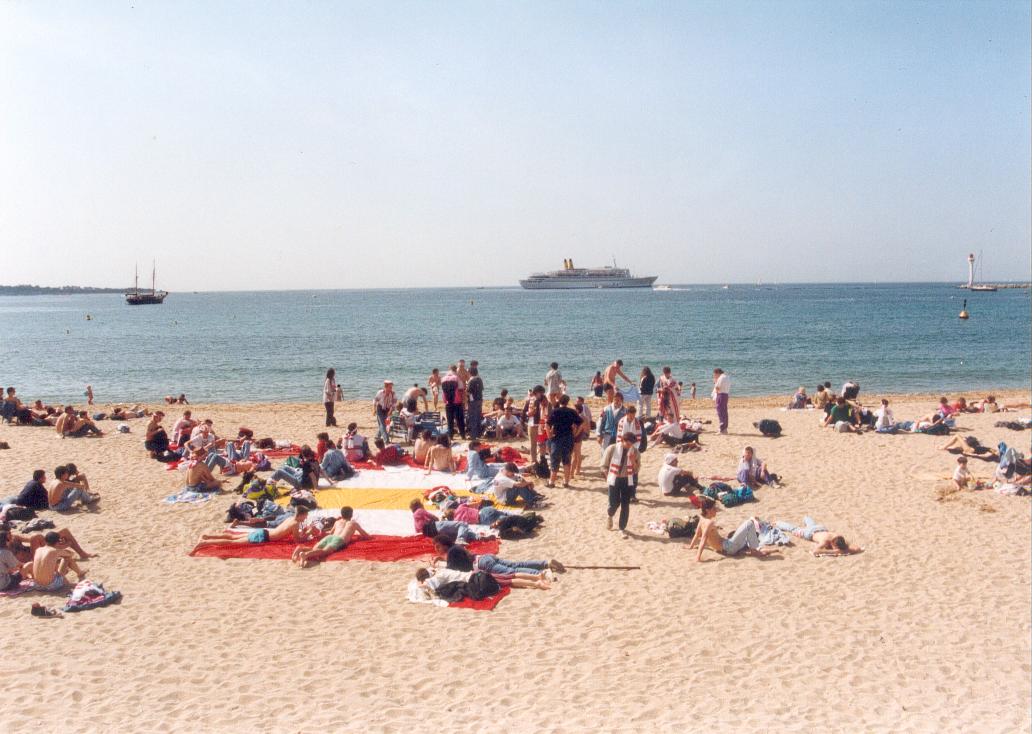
(719, 284)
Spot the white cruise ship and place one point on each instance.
(571, 277)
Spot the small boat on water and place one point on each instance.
(661, 288)
(137, 297)
(571, 277)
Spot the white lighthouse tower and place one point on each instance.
(971, 270)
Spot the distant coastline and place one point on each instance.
(43, 290)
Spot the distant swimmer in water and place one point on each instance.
(181, 400)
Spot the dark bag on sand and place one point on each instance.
(541, 468)
(17, 512)
(482, 585)
(453, 591)
(770, 428)
(1013, 425)
(512, 527)
(678, 528)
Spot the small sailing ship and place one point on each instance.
(138, 297)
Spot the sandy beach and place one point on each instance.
(928, 630)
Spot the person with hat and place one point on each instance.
(383, 404)
(673, 479)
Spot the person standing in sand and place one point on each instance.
(433, 382)
(721, 395)
(89, 395)
(613, 371)
(623, 462)
(329, 395)
(383, 404)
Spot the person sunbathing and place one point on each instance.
(198, 476)
(424, 442)
(24, 545)
(341, 534)
(826, 543)
(753, 472)
(458, 558)
(477, 467)
(800, 400)
(80, 424)
(387, 454)
(672, 479)
(50, 564)
(291, 529)
(440, 457)
(842, 417)
(156, 440)
(707, 535)
(509, 425)
(434, 578)
(70, 487)
(675, 434)
(970, 446)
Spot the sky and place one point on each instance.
(293, 145)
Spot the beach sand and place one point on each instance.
(928, 630)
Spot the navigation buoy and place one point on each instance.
(963, 311)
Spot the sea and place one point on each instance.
(276, 346)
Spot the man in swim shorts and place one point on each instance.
(287, 530)
(51, 564)
(344, 529)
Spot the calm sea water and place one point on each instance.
(276, 346)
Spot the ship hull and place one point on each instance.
(143, 299)
(569, 283)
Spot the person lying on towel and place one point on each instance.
(292, 528)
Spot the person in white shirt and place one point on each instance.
(509, 486)
(329, 395)
(963, 478)
(509, 425)
(672, 478)
(553, 380)
(383, 404)
(884, 421)
(621, 462)
(721, 394)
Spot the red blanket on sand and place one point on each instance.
(484, 605)
(378, 548)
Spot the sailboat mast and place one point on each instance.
(153, 272)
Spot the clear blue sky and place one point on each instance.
(342, 145)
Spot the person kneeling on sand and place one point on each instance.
(290, 529)
(707, 535)
(826, 542)
(342, 533)
(51, 564)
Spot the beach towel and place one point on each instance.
(378, 548)
(188, 497)
(484, 605)
(25, 586)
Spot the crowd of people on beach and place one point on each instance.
(410, 431)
